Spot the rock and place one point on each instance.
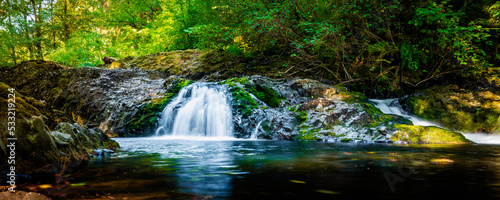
(62, 138)
(187, 63)
(383, 130)
(457, 108)
(22, 195)
(102, 152)
(317, 104)
(108, 60)
(41, 147)
(85, 95)
(431, 134)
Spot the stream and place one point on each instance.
(194, 156)
(222, 168)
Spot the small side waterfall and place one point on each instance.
(254, 134)
(199, 110)
(391, 106)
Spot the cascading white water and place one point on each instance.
(199, 110)
(392, 106)
(256, 131)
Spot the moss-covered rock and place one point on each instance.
(32, 78)
(186, 62)
(458, 109)
(421, 134)
(242, 102)
(39, 149)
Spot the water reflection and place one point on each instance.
(148, 168)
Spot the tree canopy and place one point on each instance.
(373, 43)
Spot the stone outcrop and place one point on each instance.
(457, 109)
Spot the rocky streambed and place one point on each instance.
(63, 114)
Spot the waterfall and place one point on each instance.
(392, 107)
(254, 135)
(199, 110)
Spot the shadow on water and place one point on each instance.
(148, 168)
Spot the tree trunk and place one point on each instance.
(65, 21)
(26, 34)
(11, 32)
(38, 31)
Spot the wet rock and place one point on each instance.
(42, 147)
(311, 111)
(383, 130)
(316, 104)
(102, 152)
(62, 138)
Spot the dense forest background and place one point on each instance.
(375, 46)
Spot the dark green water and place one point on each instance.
(147, 168)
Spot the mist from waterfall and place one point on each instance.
(199, 110)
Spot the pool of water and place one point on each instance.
(185, 168)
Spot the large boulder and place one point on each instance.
(457, 109)
(423, 135)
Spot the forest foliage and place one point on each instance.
(379, 44)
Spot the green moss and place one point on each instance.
(346, 140)
(148, 114)
(266, 127)
(266, 94)
(293, 108)
(301, 117)
(378, 118)
(304, 135)
(420, 134)
(178, 84)
(303, 126)
(242, 101)
(351, 96)
(231, 81)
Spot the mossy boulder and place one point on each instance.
(32, 78)
(458, 109)
(38, 149)
(427, 135)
